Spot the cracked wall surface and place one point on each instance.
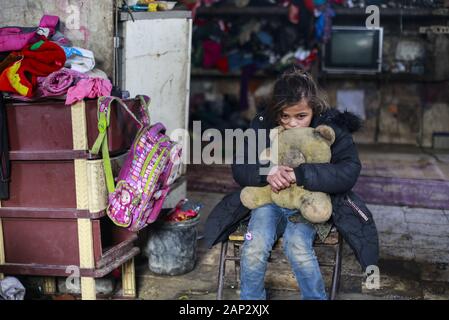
(88, 24)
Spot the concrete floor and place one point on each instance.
(399, 279)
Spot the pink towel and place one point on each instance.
(88, 88)
(57, 83)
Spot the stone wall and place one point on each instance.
(406, 109)
(412, 233)
(88, 24)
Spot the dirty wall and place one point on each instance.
(88, 24)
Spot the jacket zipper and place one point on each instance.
(357, 209)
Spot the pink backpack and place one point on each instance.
(16, 38)
(151, 166)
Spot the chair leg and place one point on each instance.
(222, 269)
(237, 264)
(337, 269)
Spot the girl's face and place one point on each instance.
(296, 116)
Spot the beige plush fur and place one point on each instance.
(292, 147)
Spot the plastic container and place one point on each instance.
(171, 246)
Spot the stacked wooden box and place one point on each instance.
(55, 217)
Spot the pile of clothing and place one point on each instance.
(40, 62)
(11, 289)
(271, 45)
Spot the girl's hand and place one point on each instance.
(280, 177)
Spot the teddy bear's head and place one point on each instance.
(291, 147)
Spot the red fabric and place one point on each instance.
(42, 61)
(223, 64)
(49, 57)
(211, 53)
(309, 5)
(179, 215)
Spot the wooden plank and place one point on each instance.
(88, 288)
(95, 188)
(116, 252)
(395, 191)
(79, 126)
(50, 213)
(48, 155)
(60, 270)
(86, 251)
(433, 194)
(34, 269)
(99, 273)
(81, 184)
(129, 279)
(355, 12)
(232, 10)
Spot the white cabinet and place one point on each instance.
(154, 60)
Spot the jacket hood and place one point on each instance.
(345, 120)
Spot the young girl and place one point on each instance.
(296, 103)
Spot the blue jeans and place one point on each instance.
(266, 225)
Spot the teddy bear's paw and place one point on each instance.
(254, 197)
(316, 211)
(285, 199)
(317, 217)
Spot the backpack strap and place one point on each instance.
(158, 205)
(144, 108)
(103, 115)
(157, 128)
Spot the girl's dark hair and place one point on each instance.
(292, 87)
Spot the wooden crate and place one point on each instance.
(51, 130)
(54, 221)
(72, 188)
(47, 246)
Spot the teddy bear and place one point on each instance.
(292, 147)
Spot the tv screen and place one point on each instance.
(353, 50)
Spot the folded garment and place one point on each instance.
(11, 289)
(97, 73)
(79, 59)
(57, 83)
(88, 88)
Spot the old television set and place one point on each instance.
(353, 50)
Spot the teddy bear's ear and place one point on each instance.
(265, 155)
(275, 132)
(327, 133)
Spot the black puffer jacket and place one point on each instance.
(350, 214)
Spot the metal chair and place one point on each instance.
(334, 240)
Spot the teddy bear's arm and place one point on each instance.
(339, 176)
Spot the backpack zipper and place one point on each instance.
(357, 209)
